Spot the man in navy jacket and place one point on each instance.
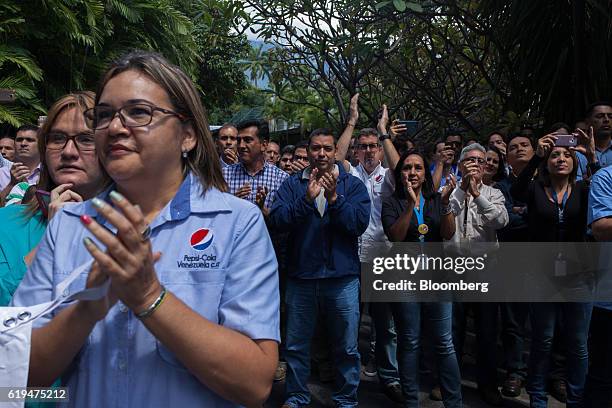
(325, 210)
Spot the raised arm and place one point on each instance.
(345, 138)
(391, 153)
(447, 227)
(519, 189)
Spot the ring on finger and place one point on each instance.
(146, 233)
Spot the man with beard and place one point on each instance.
(599, 117)
(324, 209)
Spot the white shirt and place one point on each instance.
(378, 186)
(485, 215)
(5, 175)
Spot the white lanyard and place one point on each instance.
(16, 329)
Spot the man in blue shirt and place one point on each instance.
(598, 391)
(325, 210)
(599, 116)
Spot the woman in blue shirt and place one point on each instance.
(191, 316)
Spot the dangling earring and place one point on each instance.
(184, 154)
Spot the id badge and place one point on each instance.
(560, 268)
(464, 244)
(16, 330)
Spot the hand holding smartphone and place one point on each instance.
(43, 197)
(411, 126)
(567, 140)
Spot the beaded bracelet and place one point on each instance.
(446, 210)
(149, 311)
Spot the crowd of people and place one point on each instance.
(234, 261)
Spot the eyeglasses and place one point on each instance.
(371, 146)
(477, 160)
(132, 115)
(85, 142)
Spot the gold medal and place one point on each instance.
(423, 229)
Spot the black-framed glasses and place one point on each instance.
(132, 115)
(371, 146)
(477, 160)
(85, 142)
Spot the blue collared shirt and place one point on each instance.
(454, 170)
(604, 157)
(600, 206)
(216, 257)
(269, 176)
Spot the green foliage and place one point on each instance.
(475, 65)
(51, 47)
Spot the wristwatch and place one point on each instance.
(384, 137)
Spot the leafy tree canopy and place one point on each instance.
(51, 47)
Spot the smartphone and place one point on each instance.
(450, 146)
(43, 197)
(412, 126)
(566, 140)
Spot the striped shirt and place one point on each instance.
(269, 176)
(15, 196)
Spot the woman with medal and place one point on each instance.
(416, 213)
(557, 212)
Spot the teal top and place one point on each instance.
(18, 236)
